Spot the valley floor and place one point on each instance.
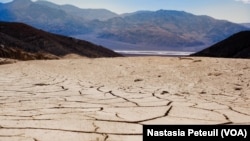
(110, 99)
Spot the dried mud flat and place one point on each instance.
(4, 61)
(110, 99)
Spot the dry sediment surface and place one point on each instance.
(4, 61)
(110, 99)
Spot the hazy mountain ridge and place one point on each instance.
(18, 40)
(167, 29)
(246, 25)
(85, 14)
(151, 30)
(47, 18)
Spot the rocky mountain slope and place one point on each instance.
(150, 30)
(20, 41)
(236, 46)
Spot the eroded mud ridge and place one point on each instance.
(110, 99)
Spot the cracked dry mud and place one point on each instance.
(110, 99)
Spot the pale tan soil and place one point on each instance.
(72, 56)
(110, 99)
(4, 61)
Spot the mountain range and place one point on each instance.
(141, 30)
(23, 42)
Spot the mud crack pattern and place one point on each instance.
(99, 99)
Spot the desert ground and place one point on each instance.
(110, 99)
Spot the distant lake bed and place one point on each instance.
(153, 53)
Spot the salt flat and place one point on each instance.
(110, 99)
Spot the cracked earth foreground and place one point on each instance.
(110, 99)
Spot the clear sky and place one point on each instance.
(233, 10)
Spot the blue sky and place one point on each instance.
(233, 10)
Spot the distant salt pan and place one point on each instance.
(167, 53)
